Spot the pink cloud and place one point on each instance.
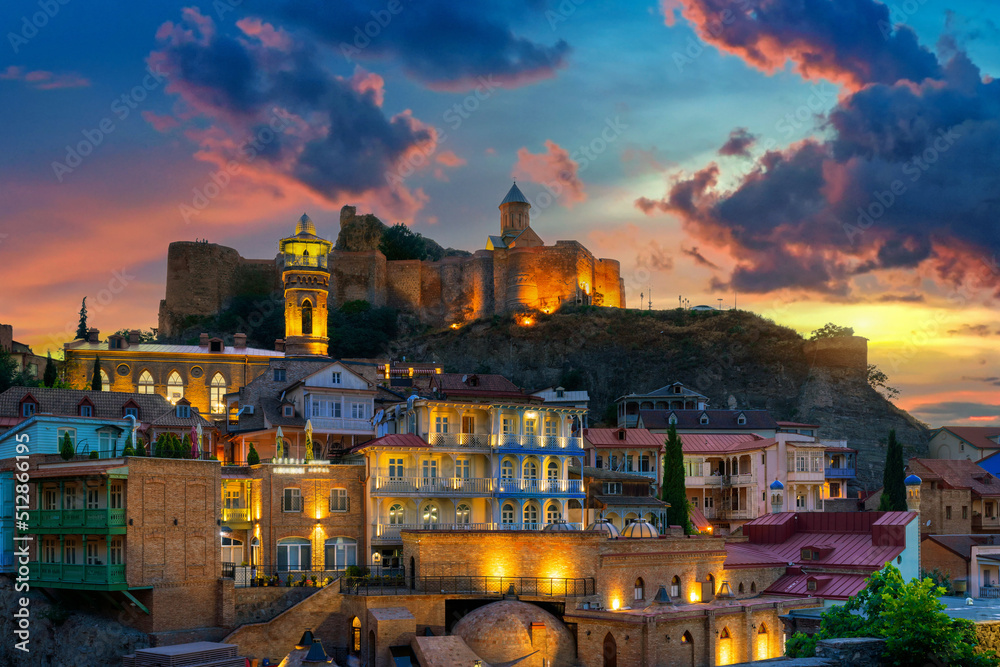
(160, 123)
(449, 159)
(555, 169)
(43, 79)
(366, 82)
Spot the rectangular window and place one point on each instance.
(834, 489)
(628, 463)
(292, 500)
(336, 378)
(69, 551)
(231, 499)
(530, 426)
(117, 552)
(694, 502)
(507, 425)
(550, 428)
(599, 462)
(336, 410)
(965, 511)
(289, 411)
(94, 553)
(612, 488)
(49, 551)
(104, 442)
(183, 411)
(396, 469)
(359, 411)
(644, 463)
(440, 424)
(86, 411)
(116, 497)
(49, 499)
(69, 498)
(462, 468)
(801, 464)
(709, 502)
(132, 411)
(800, 501)
(468, 424)
(93, 498)
(27, 409)
(338, 500)
(61, 433)
(430, 469)
(279, 374)
(947, 512)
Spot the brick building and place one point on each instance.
(621, 498)
(958, 497)
(24, 357)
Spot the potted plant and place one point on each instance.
(288, 582)
(302, 581)
(314, 578)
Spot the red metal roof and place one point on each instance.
(741, 554)
(833, 586)
(698, 519)
(977, 436)
(485, 385)
(634, 437)
(393, 440)
(796, 425)
(76, 471)
(718, 443)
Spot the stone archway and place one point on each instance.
(610, 651)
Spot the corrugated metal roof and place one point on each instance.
(717, 419)
(835, 586)
(699, 521)
(159, 348)
(393, 440)
(958, 474)
(977, 436)
(514, 195)
(715, 443)
(608, 437)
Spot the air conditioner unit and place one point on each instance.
(248, 410)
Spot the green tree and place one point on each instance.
(674, 491)
(95, 378)
(144, 336)
(81, 328)
(129, 449)
(51, 375)
(879, 381)
(8, 370)
(160, 447)
(66, 449)
(831, 330)
(253, 458)
(140, 447)
(185, 452)
(911, 619)
(400, 242)
(893, 489)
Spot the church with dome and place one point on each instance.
(515, 271)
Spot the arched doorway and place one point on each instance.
(371, 648)
(760, 651)
(356, 635)
(610, 651)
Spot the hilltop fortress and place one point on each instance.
(515, 272)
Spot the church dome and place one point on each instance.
(912, 480)
(558, 526)
(776, 485)
(604, 526)
(500, 632)
(515, 196)
(305, 226)
(640, 528)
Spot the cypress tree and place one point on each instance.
(81, 328)
(129, 450)
(51, 376)
(674, 490)
(66, 449)
(140, 447)
(253, 458)
(95, 379)
(185, 447)
(893, 489)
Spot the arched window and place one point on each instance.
(356, 635)
(430, 514)
(530, 515)
(552, 474)
(726, 655)
(307, 318)
(396, 514)
(507, 470)
(639, 587)
(530, 470)
(145, 383)
(463, 514)
(340, 552)
(232, 550)
(741, 588)
(216, 392)
(105, 382)
(753, 587)
(175, 387)
(507, 514)
(760, 650)
(294, 553)
(675, 587)
(553, 513)
(255, 552)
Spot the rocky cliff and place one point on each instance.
(735, 358)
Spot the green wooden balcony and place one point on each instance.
(100, 521)
(83, 577)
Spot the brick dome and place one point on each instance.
(640, 528)
(501, 632)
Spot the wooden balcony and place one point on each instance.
(100, 521)
(83, 577)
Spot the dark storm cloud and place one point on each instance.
(905, 176)
(335, 137)
(442, 44)
(698, 258)
(739, 143)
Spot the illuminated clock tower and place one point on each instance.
(306, 279)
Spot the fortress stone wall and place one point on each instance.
(848, 352)
(202, 277)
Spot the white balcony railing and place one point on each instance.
(387, 484)
(545, 442)
(807, 475)
(716, 513)
(465, 440)
(341, 424)
(382, 532)
(721, 480)
(539, 486)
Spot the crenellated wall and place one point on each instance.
(202, 277)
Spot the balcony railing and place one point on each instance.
(840, 473)
(539, 486)
(63, 575)
(305, 261)
(391, 485)
(806, 475)
(723, 480)
(729, 515)
(495, 586)
(341, 424)
(83, 519)
(383, 533)
(235, 514)
(989, 592)
(544, 442)
(979, 521)
(467, 440)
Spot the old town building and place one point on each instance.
(959, 497)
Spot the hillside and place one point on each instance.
(735, 358)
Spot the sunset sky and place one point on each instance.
(826, 161)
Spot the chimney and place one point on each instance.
(279, 345)
(133, 336)
(203, 340)
(93, 335)
(240, 341)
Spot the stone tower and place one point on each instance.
(514, 215)
(306, 279)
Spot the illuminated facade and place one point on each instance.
(306, 280)
(477, 454)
